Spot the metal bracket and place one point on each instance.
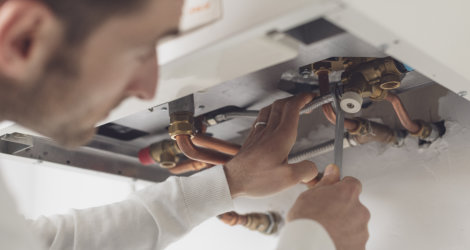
(15, 143)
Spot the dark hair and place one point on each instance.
(81, 17)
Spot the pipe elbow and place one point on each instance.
(216, 144)
(200, 154)
(410, 125)
(189, 166)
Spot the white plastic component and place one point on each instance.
(351, 102)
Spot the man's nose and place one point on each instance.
(144, 83)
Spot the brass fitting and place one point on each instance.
(424, 131)
(165, 153)
(362, 129)
(181, 123)
(372, 78)
(378, 94)
(390, 81)
(369, 131)
(266, 223)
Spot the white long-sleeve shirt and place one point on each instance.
(150, 219)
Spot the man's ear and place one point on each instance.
(29, 33)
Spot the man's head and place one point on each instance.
(64, 64)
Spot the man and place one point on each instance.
(64, 64)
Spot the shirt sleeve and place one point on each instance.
(304, 234)
(150, 219)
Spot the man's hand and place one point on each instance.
(261, 168)
(335, 204)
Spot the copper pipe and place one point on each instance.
(200, 154)
(189, 166)
(402, 114)
(349, 124)
(216, 144)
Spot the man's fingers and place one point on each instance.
(353, 184)
(292, 108)
(304, 171)
(277, 108)
(314, 182)
(330, 176)
(263, 116)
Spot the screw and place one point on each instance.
(306, 73)
(350, 105)
(462, 93)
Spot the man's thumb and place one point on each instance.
(330, 176)
(304, 171)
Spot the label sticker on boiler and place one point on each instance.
(198, 13)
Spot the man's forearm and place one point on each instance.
(149, 219)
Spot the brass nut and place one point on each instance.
(362, 129)
(180, 128)
(181, 123)
(390, 81)
(167, 160)
(424, 131)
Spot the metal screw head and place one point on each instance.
(350, 105)
(306, 73)
(462, 93)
